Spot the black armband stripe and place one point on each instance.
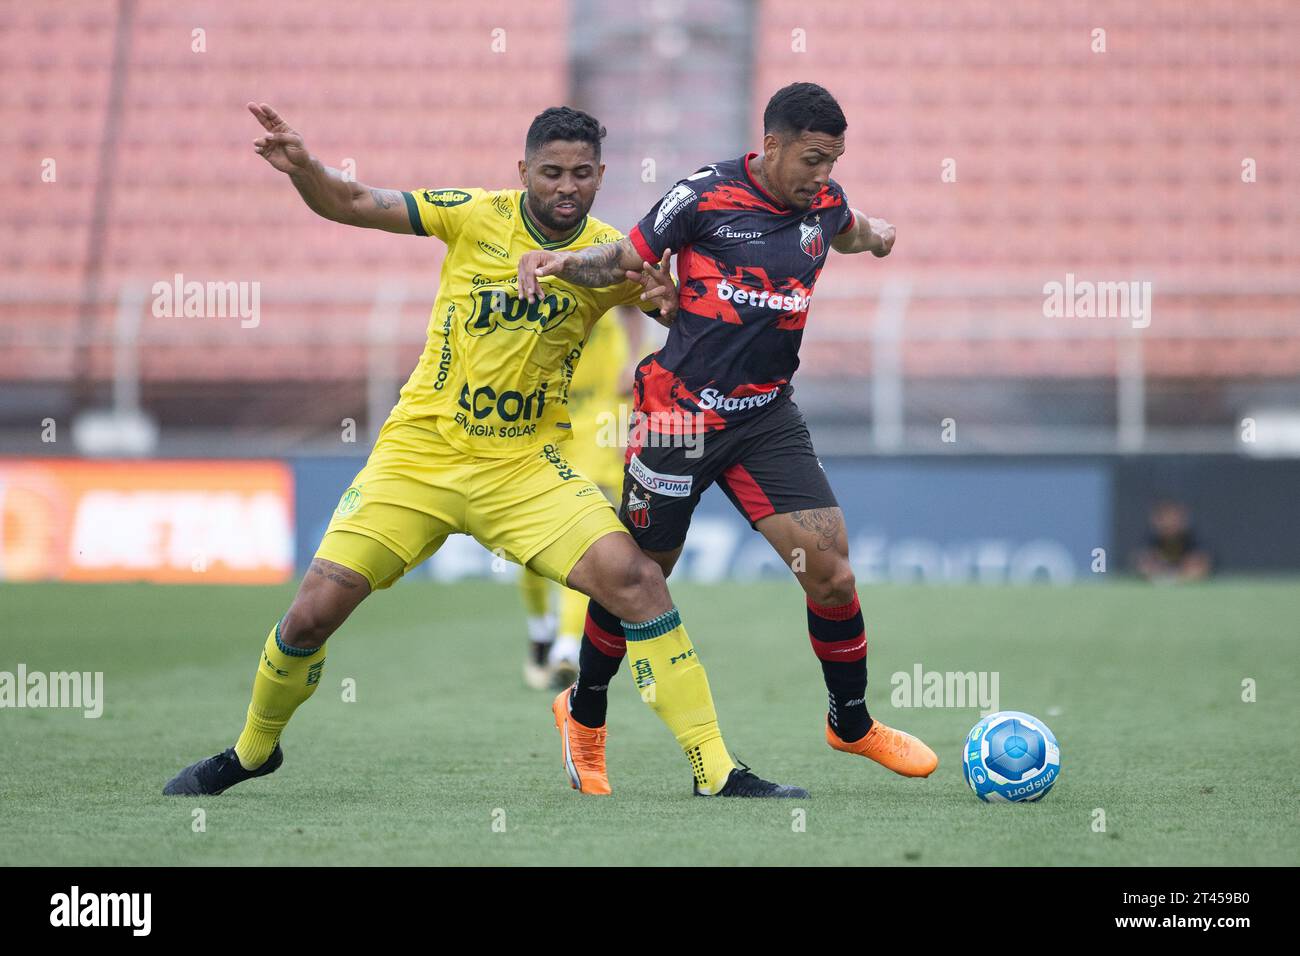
(413, 211)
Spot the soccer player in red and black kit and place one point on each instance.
(751, 237)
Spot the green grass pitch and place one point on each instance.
(445, 758)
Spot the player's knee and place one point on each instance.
(308, 624)
(644, 576)
(666, 560)
(640, 588)
(834, 588)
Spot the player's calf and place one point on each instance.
(665, 667)
(289, 670)
(327, 596)
(815, 545)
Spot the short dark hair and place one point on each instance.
(803, 107)
(563, 122)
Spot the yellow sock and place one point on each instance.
(672, 681)
(573, 613)
(286, 676)
(535, 590)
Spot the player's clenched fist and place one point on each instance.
(282, 147)
(883, 232)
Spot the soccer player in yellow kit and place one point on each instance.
(474, 446)
(601, 383)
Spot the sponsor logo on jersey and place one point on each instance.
(673, 486)
(509, 406)
(638, 510)
(445, 197)
(500, 307)
(492, 249)
(488, 430)
(604, 238)
(810, 237)
(504, 207)
(780, 302)
(671, 205)
(711, 398)
(444, 352)
(726, 232)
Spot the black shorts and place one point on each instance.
(766, 465)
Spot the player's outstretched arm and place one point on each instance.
(325, 190)
(594, 267)
(868, 234)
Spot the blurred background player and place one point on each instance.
(1172, 552)
(598, 398)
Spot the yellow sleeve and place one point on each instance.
(627, 293)
(441, 212)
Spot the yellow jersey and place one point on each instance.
(495, 374)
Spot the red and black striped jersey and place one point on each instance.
(746, 268)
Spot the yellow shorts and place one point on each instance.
(416, 489)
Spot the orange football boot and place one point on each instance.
(900, 752)
(583, 749)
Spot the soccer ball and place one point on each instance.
(1010, 757)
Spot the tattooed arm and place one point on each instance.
(595, 266)
(326, 191)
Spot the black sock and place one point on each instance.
(540, 651)
(603, 649)
(839, 640)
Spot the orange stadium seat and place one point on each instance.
(1122, 165)
(188, 193)
(1119, 165)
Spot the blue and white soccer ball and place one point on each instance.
(1010, 757)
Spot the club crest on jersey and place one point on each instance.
(810, 237)
(638, 509)
(500, 307)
